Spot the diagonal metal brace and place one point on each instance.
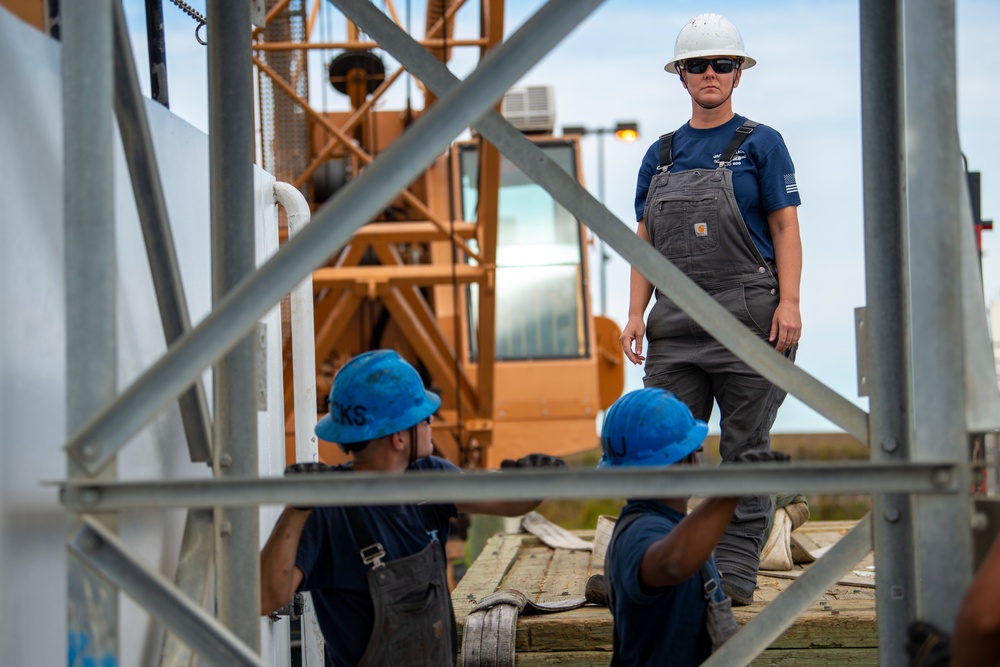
(112, 559)
(780, 613)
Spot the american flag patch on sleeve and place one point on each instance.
(790, 184)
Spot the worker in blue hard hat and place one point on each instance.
(661, 582)
(377, 574)
(718, 197)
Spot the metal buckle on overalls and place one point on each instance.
(373, 555)
(710, 587)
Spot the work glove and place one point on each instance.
(306, 468)
(762, 456)
(533, 461)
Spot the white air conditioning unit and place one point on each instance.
(530, 108)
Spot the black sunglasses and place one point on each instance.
(719, 65)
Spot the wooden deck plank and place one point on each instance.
(567, 575)
(529, 572)
(486, 573)
(835, 657)
(772, 658)
(564, 658)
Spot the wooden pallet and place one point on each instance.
(839, 629)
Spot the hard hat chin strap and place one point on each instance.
(413, 443)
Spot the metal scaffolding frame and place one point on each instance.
(919, 329)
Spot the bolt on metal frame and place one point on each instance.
(920, 474)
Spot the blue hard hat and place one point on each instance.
(649, 427)
(375, 394)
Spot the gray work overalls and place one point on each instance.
(414, 624)
(693, 220)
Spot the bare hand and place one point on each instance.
(786, 326)
(632, 335)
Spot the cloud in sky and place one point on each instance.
(806, 85)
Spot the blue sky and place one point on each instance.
(806, 85)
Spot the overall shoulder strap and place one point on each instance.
(742, 132)
(372, 552)
(666, 157)
(710, 585)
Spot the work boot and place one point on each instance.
(738, 596)
(595, 591)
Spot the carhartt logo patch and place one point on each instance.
(700, 229)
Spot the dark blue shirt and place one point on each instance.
(655, 626)
(338, 580)
(763, 173)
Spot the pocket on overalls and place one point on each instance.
(686, 226)
(733, 300)
(420, 626)
(760, 300)
(750, 303)
(666, 320)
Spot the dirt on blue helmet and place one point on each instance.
(649, 427)
(375, 394)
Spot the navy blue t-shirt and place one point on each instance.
(763, 173)
(655, 626)
(334, 574)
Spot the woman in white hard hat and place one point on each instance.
(718, 198)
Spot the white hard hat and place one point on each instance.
(708, 36)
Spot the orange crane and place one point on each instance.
(475, 274)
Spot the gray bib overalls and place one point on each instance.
(414, 624)
(693, 220)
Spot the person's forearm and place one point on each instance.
(788, 262)
(786, 323)
(640, 291)
(676, 557)
(278, 574)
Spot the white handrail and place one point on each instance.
(304, 390)
(303, 334)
